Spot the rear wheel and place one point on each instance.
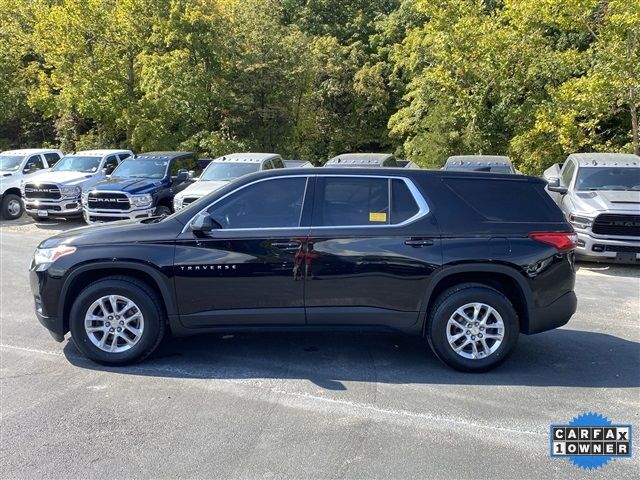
(472, 327)
(11, 207)
(117, 321)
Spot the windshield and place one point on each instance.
(77, 164)
(224, 171)
(141, 168)
(10, 162)
(603, 178)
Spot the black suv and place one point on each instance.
(466, 260)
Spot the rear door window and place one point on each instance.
(403, 204)
(351, 201)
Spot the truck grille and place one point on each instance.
(45, 191)
(108, 201)
(619, 225)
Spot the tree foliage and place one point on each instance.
(310, 79)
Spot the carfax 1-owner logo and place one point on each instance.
(590, 441)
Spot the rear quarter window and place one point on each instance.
(492, 200)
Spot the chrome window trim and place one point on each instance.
(423, 206)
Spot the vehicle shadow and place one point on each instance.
(567, 358)
(54, 224)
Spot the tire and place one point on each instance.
(481, 351)
(151, 321)
(162, 211)
(11, 207)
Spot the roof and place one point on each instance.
(100, 153)
(364, 158)
(479, 160)
(249, 157)
(165, 155)
(28, 151)
(606, 159)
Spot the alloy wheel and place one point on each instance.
(114, 323)
(475, 331)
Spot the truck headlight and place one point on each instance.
(579, 221)
(177, 203)
(141, 200)
(46, 256)
(69, 191)
(84, 198)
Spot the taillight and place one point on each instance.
(562, 241)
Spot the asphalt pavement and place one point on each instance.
(309, 405)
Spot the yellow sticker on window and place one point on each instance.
(377, 217)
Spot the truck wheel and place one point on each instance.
(162, 211)
(472, 327)
(117, 321)
(12, 207)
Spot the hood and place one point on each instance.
(202, 188)
(60, 178)
(599, 201)
(125, 231)
(134, 186)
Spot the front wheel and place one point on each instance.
(162, 211)
(117, 321)
(12, 207)
(472, 327)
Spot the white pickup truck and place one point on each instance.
(17, 166)
(57, 192)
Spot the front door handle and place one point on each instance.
(286, 245)
(419, 242)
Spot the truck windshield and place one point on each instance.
(222, 171)
(141, 168)
(77, 164)
(604, 178)
(10, 163)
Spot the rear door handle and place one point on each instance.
(286, 245)
(419, 242)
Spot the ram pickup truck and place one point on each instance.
(17, 166)
(466, 261)
(223, 170)
(57, 192)
(480, 163)
(362, 160)
(140, 187)
(600, 195)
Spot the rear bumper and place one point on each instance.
(607, 249)
(97, 216)
(554, 315)
(68, 207)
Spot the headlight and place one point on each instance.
(579, 221)
(141, 200)
(177, 202)
(69, 191)
(45, 256)
(85, 198)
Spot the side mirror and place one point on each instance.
(182, 176)
(29, 169)
(553, 185)
(203, 225)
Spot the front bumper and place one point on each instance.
(97, 216)
(53, 324)
(66, 207)
(607, 249)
